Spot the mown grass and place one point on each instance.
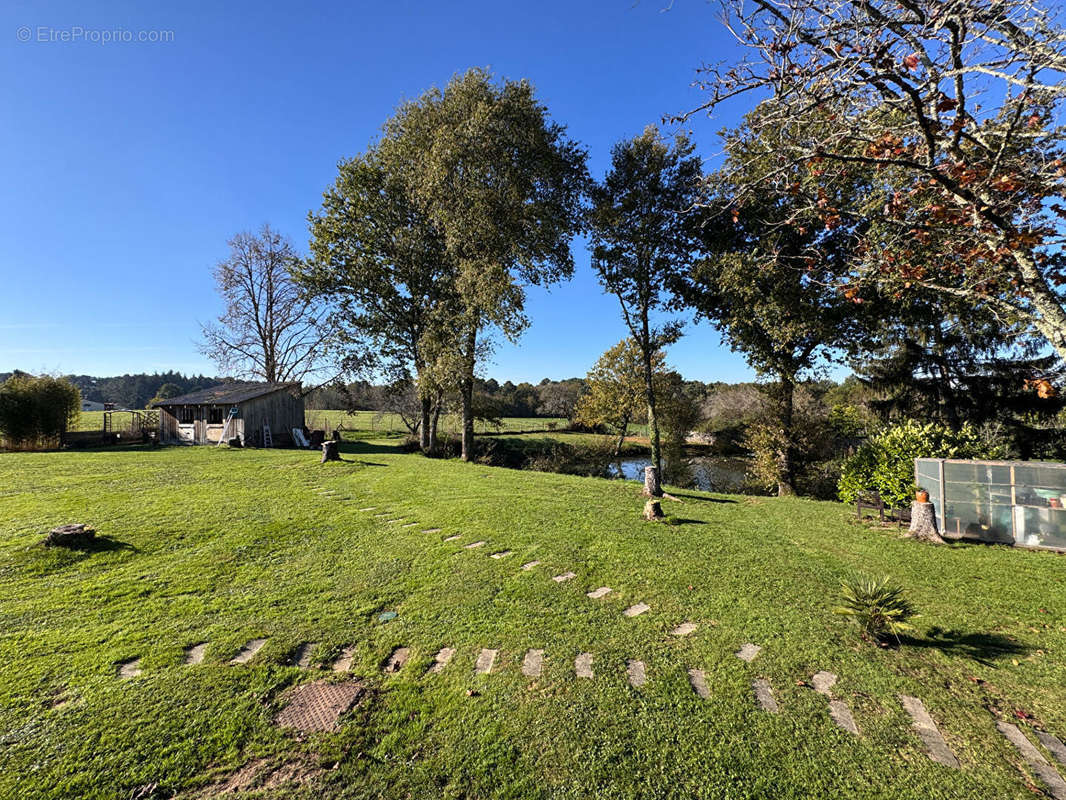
(218, 545)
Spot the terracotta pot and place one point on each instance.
(922, 496)
(1054, 502)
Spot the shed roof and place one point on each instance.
(230, 393)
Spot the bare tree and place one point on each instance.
(954, 106)
(268, 330)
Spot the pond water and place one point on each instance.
(704, 473)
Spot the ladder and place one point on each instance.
(225, 429)
(267, 440)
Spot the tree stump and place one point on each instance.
(75, 535)
(653, 511)
(923, 523)
(652, 486)
(330, 451)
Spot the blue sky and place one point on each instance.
(129, 164)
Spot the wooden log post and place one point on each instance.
(653, 511)
(330, 451)
(652, 486)
(74, 535)
(923, 523)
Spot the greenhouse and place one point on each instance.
(1021, 503)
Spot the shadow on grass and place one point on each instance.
(983, 648)
(98, 544)
(684, 521)
(702, 499)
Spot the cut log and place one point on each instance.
(653, 511)
(923, 523)
(652, 486)
(330, 451)
(74, 535)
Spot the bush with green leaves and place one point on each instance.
(886, 463)
(35, 410)
(876, 606)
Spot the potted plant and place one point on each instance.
(921, 495)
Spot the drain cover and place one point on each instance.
(318, 706)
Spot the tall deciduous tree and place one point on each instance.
(616, 395)
(766, 282)
(384, 267)
(503, 185)
(642, 234)
(269, 329)
(955, 104)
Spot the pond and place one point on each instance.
(729, 475)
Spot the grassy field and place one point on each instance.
(223, 546)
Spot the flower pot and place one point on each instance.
(922, 496)
(1055, 502)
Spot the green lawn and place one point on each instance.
(223, 546)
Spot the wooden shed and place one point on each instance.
(231, 409)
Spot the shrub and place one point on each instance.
(35, 410)
(876, 606)
(886, 462)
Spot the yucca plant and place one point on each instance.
(877, 606)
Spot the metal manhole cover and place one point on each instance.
(318, 706)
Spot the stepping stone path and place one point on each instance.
(1034, 759)
(764, 695)
(473, 545)
(699, 683)
(432, 530)
(532, 664)
(636, 673)
(823, 682)
(684, 629)
(530, 565)
(453, 538)
(566, 576)
(344, 660)
(935, 745)
(637, 610)
(302, 656)
(485, 660)
(395, 662)
(596, 594)
(441, 660)
(248, 651)
(1054, 744)
(128, 669)
(502, 554)
(409, 525)
(195, 654)
(748, 651)
(368, 508)
(583, 665)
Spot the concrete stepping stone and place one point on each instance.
(764, 695)
(841, 715)
(532, 664)
(394, 663)
(409, 525)
(635, 670)
(195, 654)
(684, 629)
(398, 519)
(1054, 744)
(344, 660)
(529, 565)
(381, 515)
(596, 594)
(302, 656)
(935, 746)
(368, 508)
(637, 610)
(453, 538)
(822, 682)
(440, 661)
(128, 669)
(486, 658)
(248, 651)
(583, 665)
(432, 530)
(699, 683)
(501, 554)
(1035, 759)
(748, 651)
(566, 576)
(472, 545)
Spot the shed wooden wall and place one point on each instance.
(282, 410)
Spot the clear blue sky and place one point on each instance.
(129, 164)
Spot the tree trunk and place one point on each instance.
(466, 389)
(653, 485)
(433, 420)
(424, 441)
(621, 439)
(786, 462)
(653, 422)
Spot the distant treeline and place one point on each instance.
(134, 391)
